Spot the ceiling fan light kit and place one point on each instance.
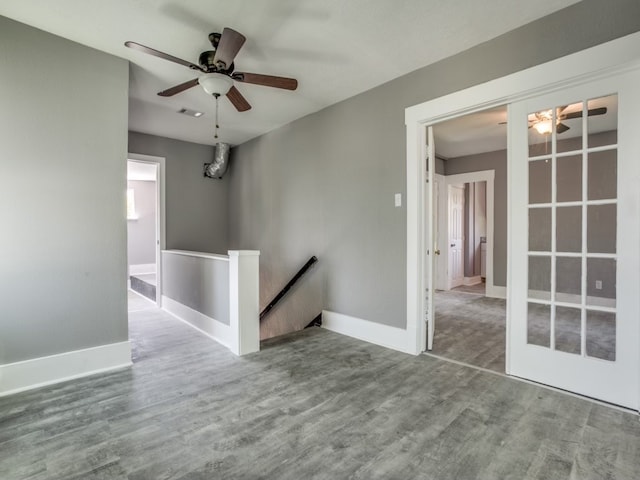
(215, 83)
(218, 68)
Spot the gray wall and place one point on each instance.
(196, 207)
(496, 161)
(141, 232)
(199, 283)
(325, 183)
(63, 147)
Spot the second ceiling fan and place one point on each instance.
(218, 70)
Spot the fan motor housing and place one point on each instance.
(206, 60)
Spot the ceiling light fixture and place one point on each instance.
(215, 83)
(544, 127)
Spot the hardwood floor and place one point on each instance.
(312, 404)
(470, 329)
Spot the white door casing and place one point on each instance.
(561, 325)
(455, 230)
(161, 230)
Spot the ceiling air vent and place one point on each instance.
(191, 113)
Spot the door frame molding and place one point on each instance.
(489, 177)
(587, 65)
(161, 219)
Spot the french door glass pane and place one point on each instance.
(540, 181)
(601, 335)
(569, 127)
(601, 228)
(602, 122)
(568, 325)
(568, 280)
(569, 179)
(603, 175)
(540, 229)
(601, 282)
(569, 229)
(540, 278)
(539, 324)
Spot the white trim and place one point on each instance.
(39, 372)
(496, 291)
(189, 253)
(244, 300)
(470, 281)
(142, 269)
(377, 333)
(210, 327)
(599, 61)
(161, 214)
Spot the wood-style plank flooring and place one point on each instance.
(313, 404)
(470, 329)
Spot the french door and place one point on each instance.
(574, 237)
(430, 239)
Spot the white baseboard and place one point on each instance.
(469, 281)
(495, 291)
(39, 372)
(383, 335)
(142, 269)
(211, 327)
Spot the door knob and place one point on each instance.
(437, 252)
(453, 244)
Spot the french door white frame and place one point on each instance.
(597, 62)
(161, 231)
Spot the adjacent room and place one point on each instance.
(296, 239)
(470, 298)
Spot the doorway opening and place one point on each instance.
(145, 226)
(470, 218)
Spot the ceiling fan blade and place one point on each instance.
(578, 114)
(238, 101)
(266, 80)
(230, 44)
(165, 56)
(170, 92)
(561, 128)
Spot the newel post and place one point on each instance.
(244, 308)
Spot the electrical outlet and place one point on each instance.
(598, 284)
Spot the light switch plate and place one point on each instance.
(398, 198)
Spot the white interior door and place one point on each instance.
(574, 239)
(456, 235)
(430, 236)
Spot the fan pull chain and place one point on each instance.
(217, 126)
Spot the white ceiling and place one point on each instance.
(335, 48)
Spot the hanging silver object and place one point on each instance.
(218, 167)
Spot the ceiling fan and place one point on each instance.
(542, 121)
(218, 70)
